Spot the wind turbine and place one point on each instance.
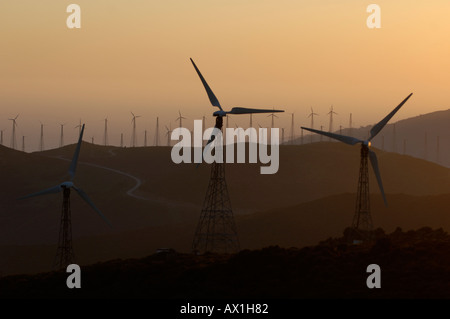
(64, 254)
(13, 137)
(331, 119)
(41, 141)
(272, 124)
(133, 135)
(105, 133)
(169, 131)
(264, 131)
(145, 138)
(311, 115)
(350, 124)
(362, 221)
(61, 140)
(157, 132)
(292, 129)
(79, 128)
(180, 118)
(216, 230)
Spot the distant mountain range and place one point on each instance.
(416, 136)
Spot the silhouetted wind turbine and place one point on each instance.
(157, 132)
(362, 222)
(13, 137)
(105, 134)
(65, 255)
(168, 133)
(292, 129)
(311, 115)
(41, 143)
(133, 135)
(216, 230)
(272, 123)
(61, 139)
(145, 138)
(180, 118)
(264, 131)
(350, 124)
(331, 119)
(79, 128)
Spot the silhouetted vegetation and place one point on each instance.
(414, 264)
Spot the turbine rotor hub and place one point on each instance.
(67, 185)
(220, 113)
(367, 143)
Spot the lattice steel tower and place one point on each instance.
(362, 225)
(216, 230)
(64, 254)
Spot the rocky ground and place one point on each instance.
(414, 264)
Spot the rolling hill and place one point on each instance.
(416, 136)
(310, 198)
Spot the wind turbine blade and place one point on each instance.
(374, 162)
(345, 139)
(73, 165)
(244, 110)
(52, 190)
(379, 126)
(212, 98)
(86, 198)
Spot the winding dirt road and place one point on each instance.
(138, 183)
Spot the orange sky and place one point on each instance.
(134, 56)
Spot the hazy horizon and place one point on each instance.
(133, 56)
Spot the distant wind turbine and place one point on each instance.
(180, 119)
(169, 132)
(61, 139)
(13, 137)
(331, 120)
(311, 115)
(133, 134)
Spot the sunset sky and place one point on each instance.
(134, 55)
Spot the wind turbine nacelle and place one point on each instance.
(367, 143)
(220, 113)
(66, 185)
